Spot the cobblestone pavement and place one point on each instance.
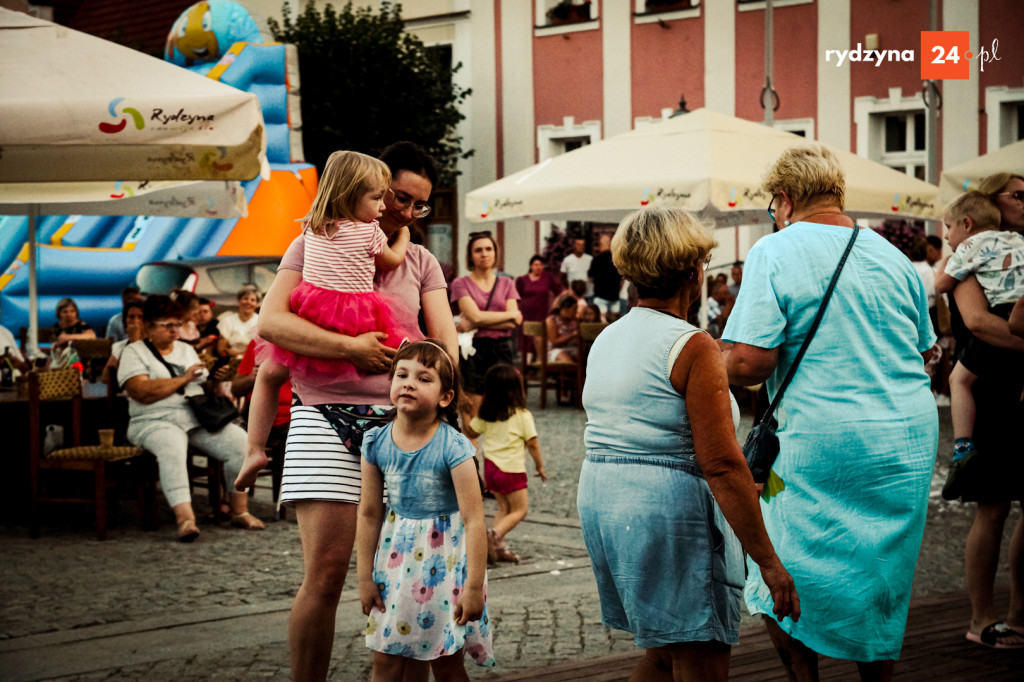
(142, 606)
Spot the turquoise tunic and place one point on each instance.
(858, 431)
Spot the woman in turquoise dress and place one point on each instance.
(858, 428)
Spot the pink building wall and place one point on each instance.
(666, 63)
(567, 77)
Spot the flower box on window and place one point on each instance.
(568, 12)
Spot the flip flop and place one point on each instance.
(993, 636)
(187, 530)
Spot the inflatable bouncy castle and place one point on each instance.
(91, 258)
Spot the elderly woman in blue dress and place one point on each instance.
(858, 427)
(664, 478)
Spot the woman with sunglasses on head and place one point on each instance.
(996, 478)
(847, 497)
(322, 461)
(488, 304)
(161, 420)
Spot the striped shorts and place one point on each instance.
(317, 464)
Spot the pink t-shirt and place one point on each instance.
(344, 261)
(504, 291)
(403, 286)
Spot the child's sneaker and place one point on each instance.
(958, 473)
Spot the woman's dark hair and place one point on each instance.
(503, 393)
(65, 303)
(410, 156)
(186, 299)
(564, 304)
(158, 306)
(430, 353)
(537, 257)
(137, 303)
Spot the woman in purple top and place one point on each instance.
(490, 305)
(322, 461)
(537, 290)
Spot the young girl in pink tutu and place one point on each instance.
(343, 246)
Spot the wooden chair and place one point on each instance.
(564, 377)
(207, 472)
(588, 333)
(44, 337)
(61, 391)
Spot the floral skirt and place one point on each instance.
(420, 570)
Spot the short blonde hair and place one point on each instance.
(347, 175)
(659, 248)
(977, 206)
(807, 172)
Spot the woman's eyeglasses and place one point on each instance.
(402, 201)
(1017, 196)
(479, 235)
(705, 263)
(771, 211)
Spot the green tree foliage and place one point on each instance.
(367, 83)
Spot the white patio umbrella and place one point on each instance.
(702, 161)
(968, 175)
(88, 126)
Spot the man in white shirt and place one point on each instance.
(576, 266)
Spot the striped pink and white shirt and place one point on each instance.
(344, 261)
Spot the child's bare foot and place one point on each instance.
(255, 460)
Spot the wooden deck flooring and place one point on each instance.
(934, 650)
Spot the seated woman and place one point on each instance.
(189, 302)
(237, 329)
(131, 315)
(563, 331)
(162, 422)
(70, 327)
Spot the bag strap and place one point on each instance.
(156, 354)
(490, 297)
(814, 327)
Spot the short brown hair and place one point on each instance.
(807, 172)
(977, 206)
(658, 248)
(473, 237)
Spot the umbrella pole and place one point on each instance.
(32, 344)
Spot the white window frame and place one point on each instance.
(642, 16)
(755, 6)
(1001, 104)
(543, 28)
(793, 125)
(869, 114)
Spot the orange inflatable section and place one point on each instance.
(273, 214)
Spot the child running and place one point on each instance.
(342, 244)
(997, 259)
(424, 589)
(508, 431)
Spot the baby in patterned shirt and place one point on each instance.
(996, 259)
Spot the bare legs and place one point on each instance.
(511, 510)
(684, 662)
(981, 558)
(389, 668)
(961, 396)
(801, 663)
(270, 377)
(327, 530)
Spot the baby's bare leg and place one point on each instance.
(961, 398)
(270, 376)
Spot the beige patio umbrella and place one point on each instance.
(702, 161)
(89, 126)
(968, 175)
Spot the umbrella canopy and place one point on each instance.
(967, 176)
(702, 161)
(79, 108)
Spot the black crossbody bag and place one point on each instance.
(762, 445)
(213, 412)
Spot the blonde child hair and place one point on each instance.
(978, 207)
(347, 175)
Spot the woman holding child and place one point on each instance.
(664, 478)
(994, 478)
(857, 425)
(322, 463)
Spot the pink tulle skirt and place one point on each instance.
(343, 312)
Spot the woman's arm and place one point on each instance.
(1017, 318)
(437, 314)
(393, 254)
(749, 365)
(973, 306)
(148, 391)
(490, 319)
(533, 447)
(279, 325)
(471, 509)
(370, 518)
(944, 283)
(553, 338)
(86, 334)
(699, 375)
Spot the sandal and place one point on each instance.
(505, 555)
(993, 636)
(247, 521)
(187, 530)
